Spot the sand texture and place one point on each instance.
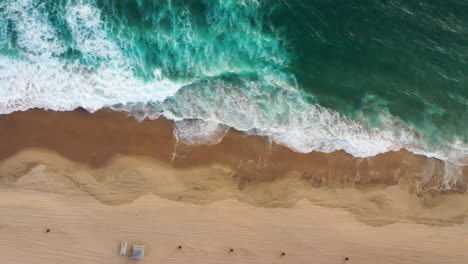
(94, 180)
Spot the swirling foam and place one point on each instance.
(42, 78)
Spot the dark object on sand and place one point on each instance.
(283, 254)
(231, 250)
(346, 259)
(138, 252)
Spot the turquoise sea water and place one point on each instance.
(364, 76)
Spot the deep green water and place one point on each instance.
(364, 76)
(406, 57)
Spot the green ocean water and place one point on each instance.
(364, 76)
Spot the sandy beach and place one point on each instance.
(94, 180)
(233, 132)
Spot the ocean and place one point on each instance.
(364, 76)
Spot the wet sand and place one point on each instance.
(94, 179)
(95, 139)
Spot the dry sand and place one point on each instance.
(94, 180)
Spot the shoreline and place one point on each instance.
(95, 138)
(117, 159)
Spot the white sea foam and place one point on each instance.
(90, 36)
(283, 115)
(41, 79)
(36, 36)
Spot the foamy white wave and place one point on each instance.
(89, 34)
(36, 36)
(54, 85)
(281, 114)
(41, 79)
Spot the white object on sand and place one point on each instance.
(123, 248)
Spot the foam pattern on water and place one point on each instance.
(247, 105)
(42, 78)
